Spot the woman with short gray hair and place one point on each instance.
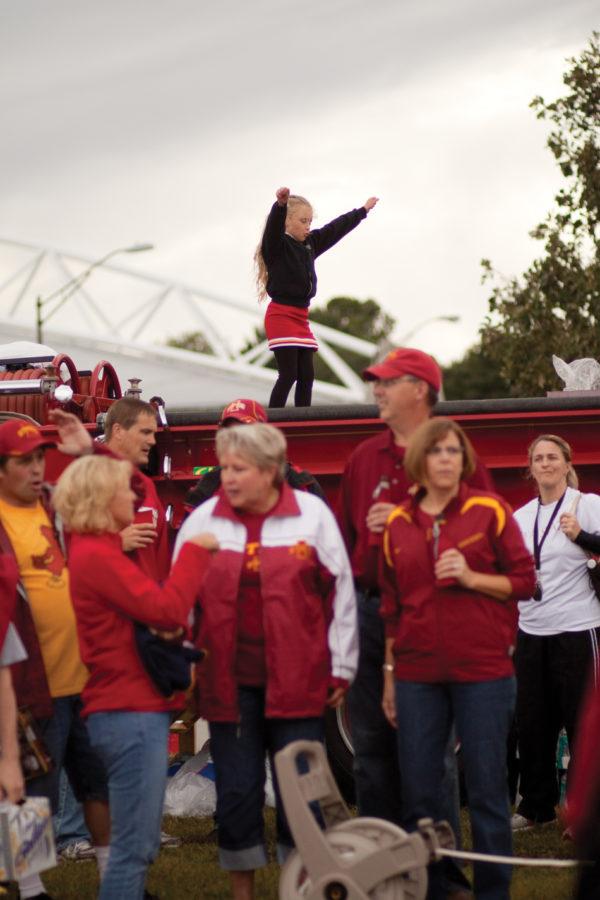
(278, 619)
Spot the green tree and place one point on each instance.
(555, 305)
(191, 340)
(474, 377)
(360, 318)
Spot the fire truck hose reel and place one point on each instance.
(357, 858)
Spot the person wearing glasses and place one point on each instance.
(454, 564)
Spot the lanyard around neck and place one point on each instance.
(537, 544)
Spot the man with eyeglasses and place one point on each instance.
(406, 387)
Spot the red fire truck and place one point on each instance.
(320, 439)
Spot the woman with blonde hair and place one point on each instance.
(277, 616)
(285, 267)
(454, 565)
(559, 625)
(127, 716)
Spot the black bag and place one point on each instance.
(168, 663)
(593, 567)
(593, 563)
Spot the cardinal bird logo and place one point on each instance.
(52, 558)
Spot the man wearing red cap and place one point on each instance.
(406, 385)
(50, 681)
(246, 412)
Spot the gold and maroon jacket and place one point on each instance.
(446, 632)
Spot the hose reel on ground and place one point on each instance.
(353, 858)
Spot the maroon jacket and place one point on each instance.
(109, 592)
(9, 576)
(373, 458)
(29, 677)
(449, 633)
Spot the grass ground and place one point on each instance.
(191, 872)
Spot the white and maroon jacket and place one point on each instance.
(309, 606)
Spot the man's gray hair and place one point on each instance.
(262, 445)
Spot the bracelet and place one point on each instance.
(387, 667)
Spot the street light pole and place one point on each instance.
(63, 293)
(410, 334)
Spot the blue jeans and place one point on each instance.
(133, 746)
(483, 713)
(238, 750)
(69, 823)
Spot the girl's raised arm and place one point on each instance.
(283, 195)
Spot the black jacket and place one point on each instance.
(292, 279)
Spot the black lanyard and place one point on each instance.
(537, 544)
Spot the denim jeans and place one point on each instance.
(133, 746)
(238, 750)
(483, 713)
(69, 823)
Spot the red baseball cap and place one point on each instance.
(18, 437)
(405, 361)
(246, 411)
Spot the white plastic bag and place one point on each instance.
(191, 791)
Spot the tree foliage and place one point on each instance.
(361, 318)
(555, 305)
(474, 377)
(192, 340)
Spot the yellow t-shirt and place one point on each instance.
(46, 579)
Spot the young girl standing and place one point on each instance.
(285, 262)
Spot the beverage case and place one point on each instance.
(26, 838)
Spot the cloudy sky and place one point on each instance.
(174, 122)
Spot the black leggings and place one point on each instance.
(294, 364)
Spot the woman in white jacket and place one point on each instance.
(559, 627)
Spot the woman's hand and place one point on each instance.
(167, 635)
(336, 697)
(388, 701)
(569, 525)
(206, 540)
(136, 537)
(12, 786)
(336, 691)
(283, 195)
(370, 203)
(452, 564)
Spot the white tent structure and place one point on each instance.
(93, 310)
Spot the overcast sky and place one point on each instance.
(174, 122)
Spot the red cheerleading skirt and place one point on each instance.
(287, 326)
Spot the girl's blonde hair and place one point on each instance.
(85, 490)
(260, 266)
(565, 449)
(264, 446)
